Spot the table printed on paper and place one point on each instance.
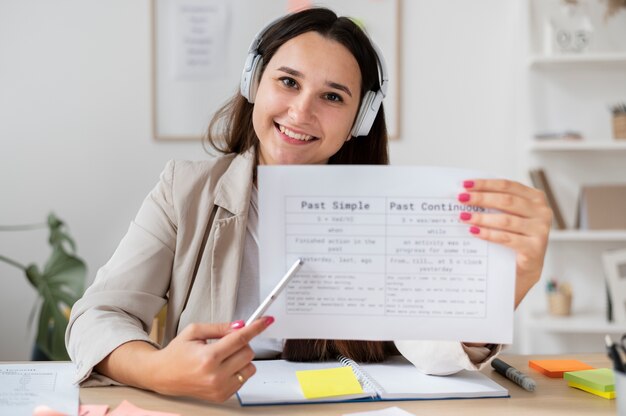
(385, 256)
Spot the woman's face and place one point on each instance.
(306, 101)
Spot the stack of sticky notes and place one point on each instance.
(599, 381)
(556, 368)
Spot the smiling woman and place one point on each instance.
(311, 93)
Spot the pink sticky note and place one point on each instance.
(126, 408)
(92, 410)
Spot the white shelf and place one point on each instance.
(579, 145)
(538, 61)
(579, 322)
(585, 235)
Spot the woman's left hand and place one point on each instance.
(523, 224)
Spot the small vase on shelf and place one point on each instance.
(568, 29)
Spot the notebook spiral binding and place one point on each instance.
(368, 383)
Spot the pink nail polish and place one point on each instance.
(468, 184)
(237, 324)
(269, 320)
(465, 216)
(464, 197)
(474, 230)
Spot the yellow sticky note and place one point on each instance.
(329, 382)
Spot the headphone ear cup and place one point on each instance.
(367, 113)
(250, 77)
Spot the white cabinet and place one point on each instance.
(558, 93)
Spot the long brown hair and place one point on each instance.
(231, 131)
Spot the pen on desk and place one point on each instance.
(514, 375)
(614, 354)
(275, 292)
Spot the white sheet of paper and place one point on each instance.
(26, 386)
(385, 256)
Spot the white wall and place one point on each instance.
(75, 118)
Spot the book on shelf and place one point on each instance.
(540, 181)
(276, 382)
(614, 262)
(602, 207)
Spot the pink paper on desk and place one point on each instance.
(126, 408)
(92, 410)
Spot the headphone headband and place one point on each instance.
(370, 103)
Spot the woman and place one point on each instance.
(193, 244)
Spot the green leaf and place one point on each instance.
(33, 275)
(60, 285)
(65, 269)
(51, 331)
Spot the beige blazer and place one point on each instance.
(185, 248)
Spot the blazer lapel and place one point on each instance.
(233, 199)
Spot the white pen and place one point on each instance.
(275, 292)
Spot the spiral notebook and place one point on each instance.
(275, 382)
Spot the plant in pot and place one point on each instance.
(619, 120)
(59, 285)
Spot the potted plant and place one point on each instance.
(619, 120)
(60, 284)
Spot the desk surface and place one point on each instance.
(552, 397)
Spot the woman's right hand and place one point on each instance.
(189, 366)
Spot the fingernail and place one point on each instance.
(468, 184)
(465, 216)
(464, 197)
(269, 320)
(237, 324)
(474, 230)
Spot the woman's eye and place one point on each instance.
(331, 96)
(334, 97)
(289, 82)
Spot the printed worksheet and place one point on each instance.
(385, 256)
(23, 387)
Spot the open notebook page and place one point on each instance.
(400, 379)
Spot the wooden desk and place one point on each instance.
(552, 397)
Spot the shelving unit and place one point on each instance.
(570, 93)
(605, 145)
(538, 61)
(585, 322)
(585, 236)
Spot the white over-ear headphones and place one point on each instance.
(369, 105)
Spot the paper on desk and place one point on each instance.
(126, 408)
(385, 256)
(23, 387)
(328, 382)
(389, 411)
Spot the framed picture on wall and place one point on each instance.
(199, 48)
(615, 270)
